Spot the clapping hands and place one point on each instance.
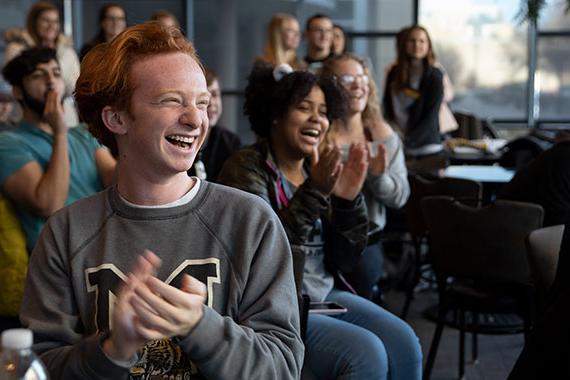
(326, 167)
(149, 309)
(378, 162)
(353, 173)
(331, 176)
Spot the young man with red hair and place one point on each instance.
(162, 275)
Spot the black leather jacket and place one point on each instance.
(345, 223)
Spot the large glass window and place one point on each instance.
(553, 72)
(484, 51)
(553, 78)
(553, 17)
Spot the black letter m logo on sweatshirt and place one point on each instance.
(106, 279)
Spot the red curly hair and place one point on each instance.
(105, 72)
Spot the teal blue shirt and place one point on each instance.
(28, 143)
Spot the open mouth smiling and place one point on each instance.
(181, 141)
(311, 132)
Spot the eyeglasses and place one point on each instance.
(349, 79)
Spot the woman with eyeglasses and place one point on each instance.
(43, 28)
(283, 37)
(317, 197)
(386, 183)
(112, 21)
(412, 100)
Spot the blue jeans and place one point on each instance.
(367, 342)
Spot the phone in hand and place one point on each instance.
(330, 308)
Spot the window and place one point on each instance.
(484, 51)
(553, 72)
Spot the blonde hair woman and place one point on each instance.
(283, 37)
(386, 183)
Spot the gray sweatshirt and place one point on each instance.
(390, 189)
(230, 240)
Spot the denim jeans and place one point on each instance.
(367, 342)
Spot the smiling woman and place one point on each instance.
(318, 199)
(283, 39)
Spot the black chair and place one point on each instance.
(479, 260)
(471, 127)
(466, 191)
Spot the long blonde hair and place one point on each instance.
(274, 52)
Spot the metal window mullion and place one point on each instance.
(533, 101)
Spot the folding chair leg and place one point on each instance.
(461, 343)
(435, 343)
(417, 267)
(474, 347)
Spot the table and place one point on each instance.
(480, 173)
(491, 177)
(473, 158)
(466, 155)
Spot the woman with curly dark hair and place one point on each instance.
(318, 199)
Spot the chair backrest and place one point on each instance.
(543, 249)
(521, 151)
(485, 244)
(464, 190)
(469, 126)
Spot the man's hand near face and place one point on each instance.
(53, 112)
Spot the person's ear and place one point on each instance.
(114, 120)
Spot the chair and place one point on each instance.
(471, 127)
(543, 247)
(464, 190)
(479, 260)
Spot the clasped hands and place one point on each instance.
(149, 309)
